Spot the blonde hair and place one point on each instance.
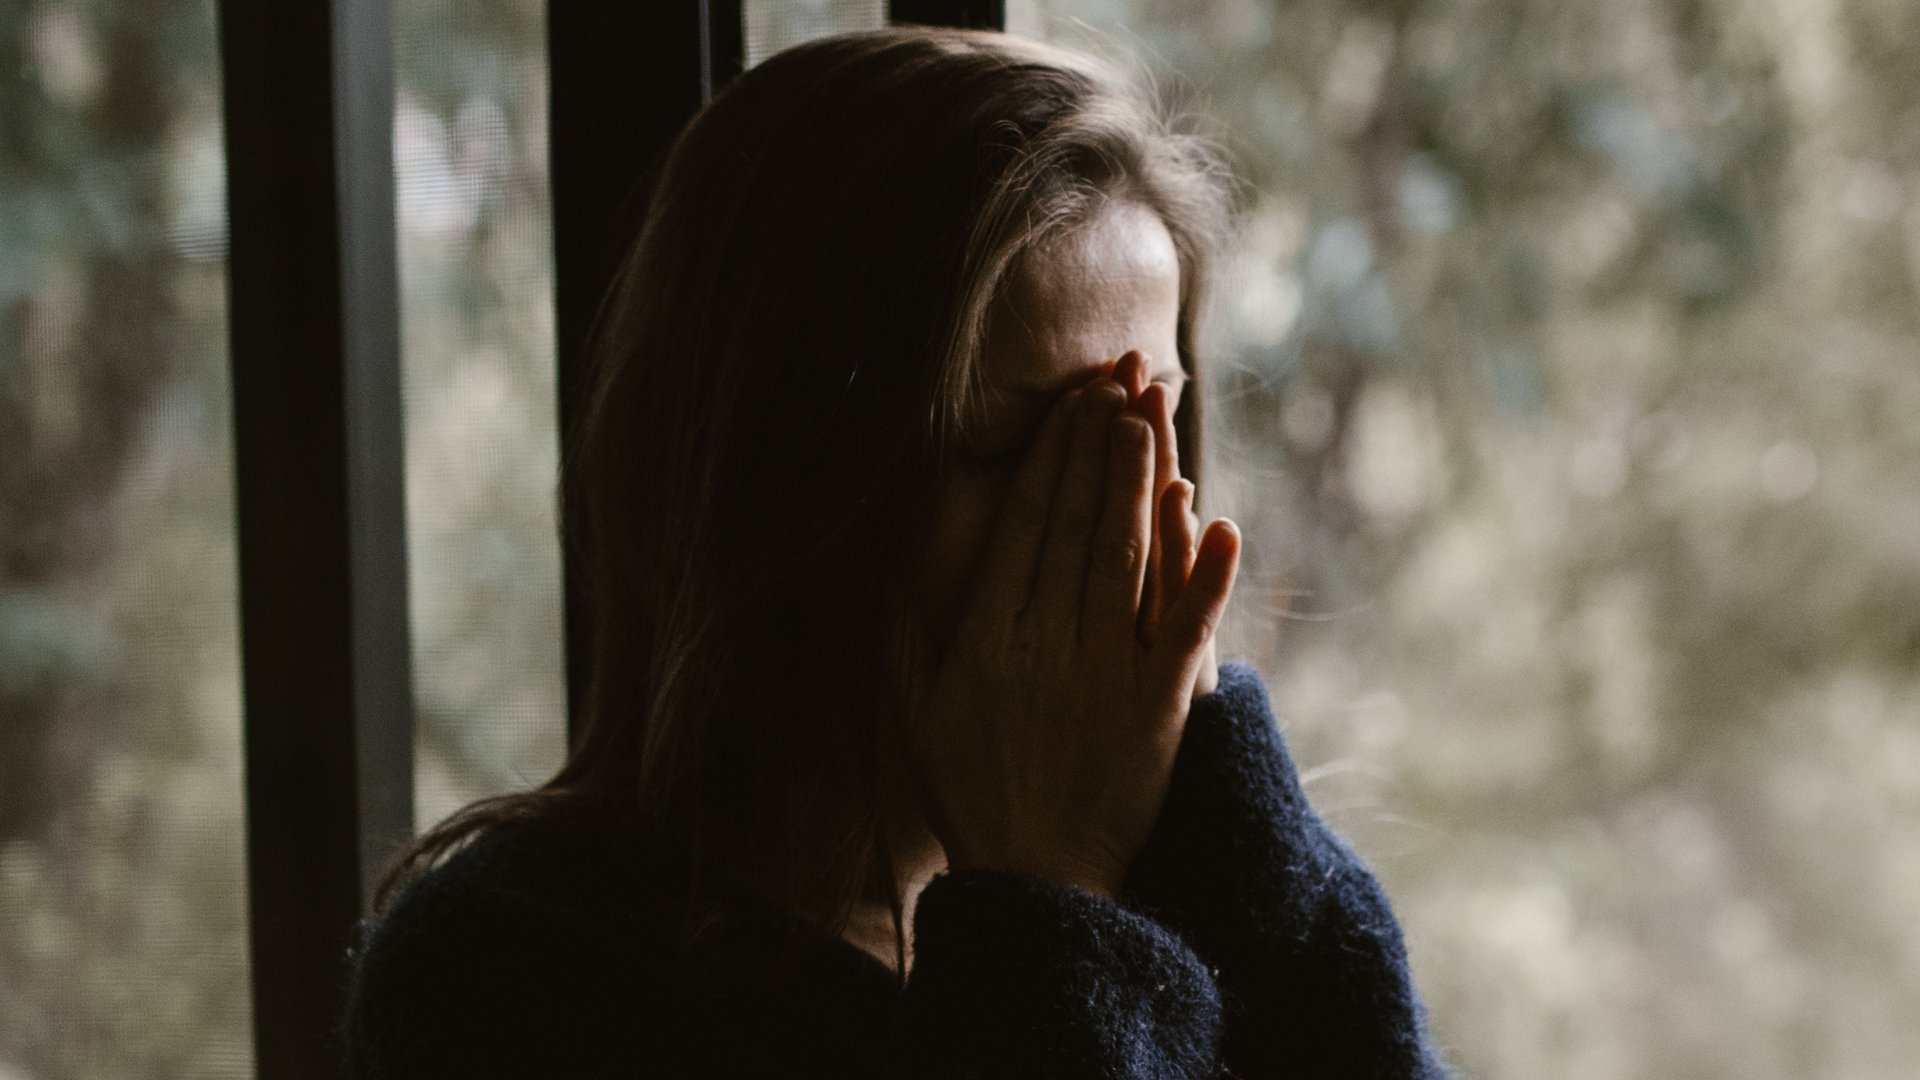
(781, 367)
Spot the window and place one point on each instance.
(1563, 383)
(123, 913)
(476, 275)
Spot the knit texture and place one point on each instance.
(1249, 942)
(1308, 954)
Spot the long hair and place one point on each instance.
(780, 369)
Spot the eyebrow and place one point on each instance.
(1036, 391)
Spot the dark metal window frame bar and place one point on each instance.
(314, 328)
(981, 14)
(317, 420)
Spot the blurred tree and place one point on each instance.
(121, 925)
(89, 330)
(1570, 358)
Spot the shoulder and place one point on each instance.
(520, 949)
(547, 874)
(558, 860)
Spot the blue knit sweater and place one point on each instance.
(1249, 942)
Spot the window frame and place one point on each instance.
(319, 478)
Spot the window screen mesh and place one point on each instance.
(475, 244)
(773, 25)
(122, 876)
(1565, 373)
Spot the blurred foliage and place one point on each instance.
(122, 880)
(1568, 372)
(470, 171)
(1566, 366)
(122, 917)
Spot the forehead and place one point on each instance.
(1084, 298)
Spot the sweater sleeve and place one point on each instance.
(1017, 977)
(1309, 958)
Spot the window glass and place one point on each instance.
(1564, 384)
(476, 280)
(773, 25)
(122, 865)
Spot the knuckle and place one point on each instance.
(1024, 516)
(1119, 557)
(1210, 620)
(1076, 519)
(1134, 430)
(1103, 400)
(1204, 624)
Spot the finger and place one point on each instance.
(1207, 679)
(1004, 582)
(1166, 442)
(1182, 567)
(1184, 633)
(1173, 539)
(1130, 371)
(1117, 567)
(1076, 509)
(1153, 406)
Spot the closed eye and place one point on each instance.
(1010, 458)
(999, 461)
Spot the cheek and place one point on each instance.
(957, 532)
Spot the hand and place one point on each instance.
(1047, 737)
(1175, 524)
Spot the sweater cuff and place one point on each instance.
(1014, 976)
(1237, 842)
(1309, 957)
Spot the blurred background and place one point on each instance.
(1567, 383)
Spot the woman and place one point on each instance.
(902, 620)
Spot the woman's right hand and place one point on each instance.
(1046, 741)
